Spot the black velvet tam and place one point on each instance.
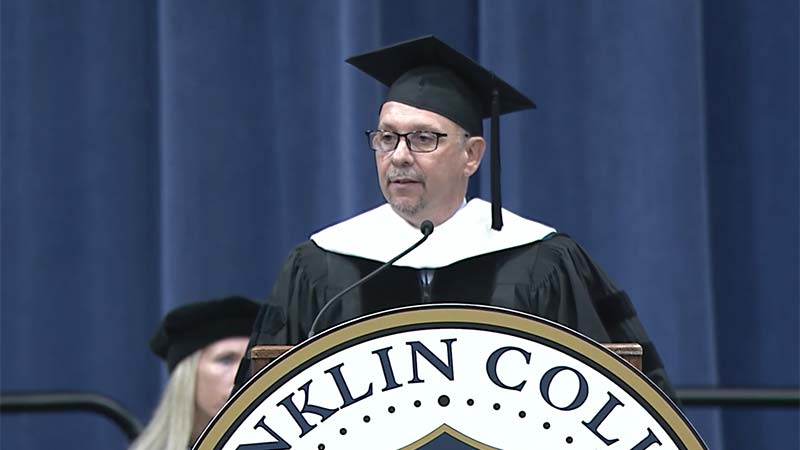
(192, 327)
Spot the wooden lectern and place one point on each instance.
(261, 355)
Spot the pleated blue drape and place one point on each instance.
(157, 153)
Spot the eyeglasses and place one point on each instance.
(416, 141)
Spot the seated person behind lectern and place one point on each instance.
(427, 143)
(202, 344)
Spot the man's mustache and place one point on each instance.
(404, 174)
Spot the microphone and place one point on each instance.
(426, 228)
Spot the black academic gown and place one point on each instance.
(552, 278)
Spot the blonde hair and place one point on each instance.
(172, 423)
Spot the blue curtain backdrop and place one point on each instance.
(156, 153)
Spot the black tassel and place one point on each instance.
(497, 215)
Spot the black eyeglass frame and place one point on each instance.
(408, 141)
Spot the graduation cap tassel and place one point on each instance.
(497, 215)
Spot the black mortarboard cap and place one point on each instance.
(428, 74)
(192, 327)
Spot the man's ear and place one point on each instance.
(474, 148)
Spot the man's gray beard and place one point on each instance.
(407, 210)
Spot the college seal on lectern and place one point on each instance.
(449, 377)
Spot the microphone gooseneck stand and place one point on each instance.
(426, 228)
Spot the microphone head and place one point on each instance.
(426, 227)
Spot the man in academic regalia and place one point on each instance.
(428, 142)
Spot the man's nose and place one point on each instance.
(402, 156)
